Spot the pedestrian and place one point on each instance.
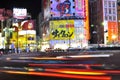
(27, 49)
(19, 50)
(12, 46)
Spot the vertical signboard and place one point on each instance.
(112, 31)
(46, 4)
(80, 8)
(86, 20)
(62, 30)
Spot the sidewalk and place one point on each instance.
(52, 54)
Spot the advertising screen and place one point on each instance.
(80, 8)
(62, 30)
(112, 30)
(62, 8)
(19, 13)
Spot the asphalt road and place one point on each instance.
(22, 61)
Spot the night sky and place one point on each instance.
(32, 6)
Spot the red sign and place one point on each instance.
(29, 25)
(112, 30)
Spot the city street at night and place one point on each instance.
(60, 40)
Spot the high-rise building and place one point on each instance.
(104, 21)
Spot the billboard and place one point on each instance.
(112, 30)
(62, 30)
(28, 25)
(80, 8)
(19, 13)
(62, 8)
(66, 8)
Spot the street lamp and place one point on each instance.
(114, 38)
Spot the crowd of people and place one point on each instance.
(13, 49)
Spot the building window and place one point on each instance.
(106, 18)
(114, 11)
(110, 11)
(105, 3)
(109, 3)
(110, 18)
(114, 18)
(30, 38)
(106, 10)
(113, 4)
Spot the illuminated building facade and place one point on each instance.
(16, 29)
(23, 34)
(67, 23)
(5, 14)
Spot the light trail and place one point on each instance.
(39, 65)
(72, 57)
(58, 70)
(86, 56)
(75, 71)
(42, 58)
(84, 66)
(48, 74)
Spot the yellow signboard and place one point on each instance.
(62, 29)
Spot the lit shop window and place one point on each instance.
(30, 38)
